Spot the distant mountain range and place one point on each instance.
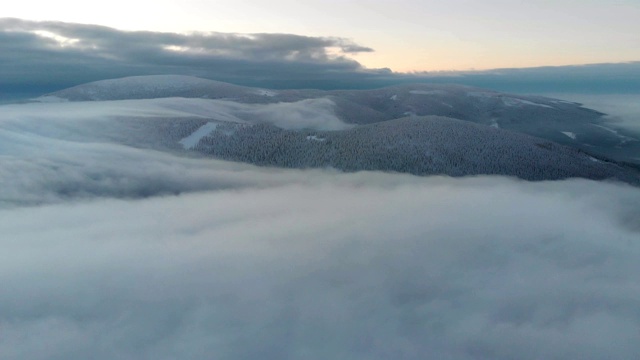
(420, 129)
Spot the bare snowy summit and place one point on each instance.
(153, 86)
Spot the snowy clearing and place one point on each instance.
(265, 92)
(519, 102)
(192, 140)
(608, 129)
(50, 99)
(315, 138)
(429, 92)
(623, 139)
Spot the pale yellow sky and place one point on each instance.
(408, 35)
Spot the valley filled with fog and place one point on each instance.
(622, 111)
(180, 218)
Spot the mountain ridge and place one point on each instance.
(466, 130)
(564, 122)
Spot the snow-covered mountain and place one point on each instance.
(310, 133)
(557, 120)
(152, 87)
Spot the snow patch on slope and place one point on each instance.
(427, 92)
(623, 139)
(50, 99)
(570, 134)
(482, 94)
(265, 92)
(192, 140)
(519, 102)
(315, 138)
(506, 100)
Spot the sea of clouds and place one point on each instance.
(361, 267)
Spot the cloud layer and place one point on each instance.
(41, 57)
(357, 267)
(70, 54)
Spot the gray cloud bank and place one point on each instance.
(52, 55)
(40, 57)
(357, 267)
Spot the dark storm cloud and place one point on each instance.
(110, 40)
(42, 56)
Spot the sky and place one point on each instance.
(407, 35)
